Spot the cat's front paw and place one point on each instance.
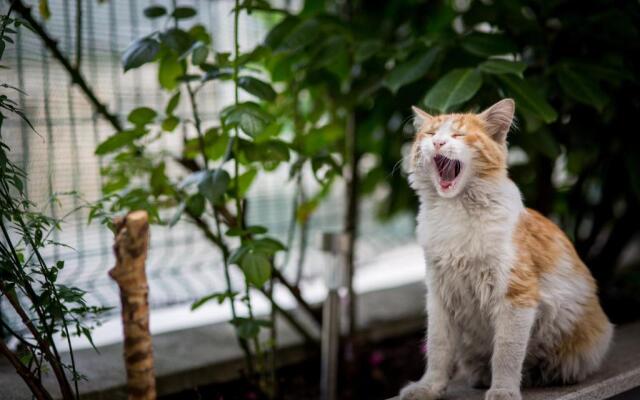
(417, 391)
(503, 394)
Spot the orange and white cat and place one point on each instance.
(508, 298)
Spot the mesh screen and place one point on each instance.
(60, 157)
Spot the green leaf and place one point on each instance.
(498, 67)
(141, 116)
(581, 87)
(199, 33)
(214, 72)
(269, 246)
(246, 328)
(454, 88)
(154, 11)
(280, 31)
(411, 70)
(177, 40)
(237, 254)
(118, 140)
(169, 71)
(199, 53)
(275, 150)
(178, 214)
(172, 104)
(196, 204)
(256, 268)
(183, 12)
(301, 36)
(219, 297)
(244, 182)
(251, 118)
(528, 97)
(140, 52)
(213, 185)
(43, 8)
(170, 123)
(249, 230)
(257, 88)
(488, 44)
(367, 49)
(546, 144)
(158, 181)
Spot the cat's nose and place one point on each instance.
(438, 143)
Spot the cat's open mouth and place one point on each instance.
(448, 170)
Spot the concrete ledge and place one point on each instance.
(210, 354)
(619, 373)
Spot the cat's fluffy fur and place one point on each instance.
(508, 298)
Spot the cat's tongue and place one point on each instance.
(445, 184)
(448, 170)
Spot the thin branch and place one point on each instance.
(308, 337)
(227, 278)
(44, 346)
(229, 220)
(213, 237)
(78, 34)
(34, 384)
(76, 75)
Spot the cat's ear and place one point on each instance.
(498, 119)
(420, 117)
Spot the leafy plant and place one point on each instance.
(332, 87)
(44, 307)
(570, 70)
(220, 161)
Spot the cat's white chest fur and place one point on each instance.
(469, 251)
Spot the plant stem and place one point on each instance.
(198, 124)
(230, 220)
(286, 314)
(46, 347)
(76, 75)
(34, 384)
(54, 361)
(78, 34)
(273, 336)
(351, 217)
(227, 277)
(236, 142)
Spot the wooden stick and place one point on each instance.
(130, 248)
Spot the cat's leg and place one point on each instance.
(512, 330)
(477, 370)
(440, 356)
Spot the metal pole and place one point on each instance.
(335, 244)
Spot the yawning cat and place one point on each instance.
(508, 298)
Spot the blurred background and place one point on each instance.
(60, 158)
(344, 75)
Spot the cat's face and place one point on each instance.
(453, 149)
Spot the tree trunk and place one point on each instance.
(130, 248)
